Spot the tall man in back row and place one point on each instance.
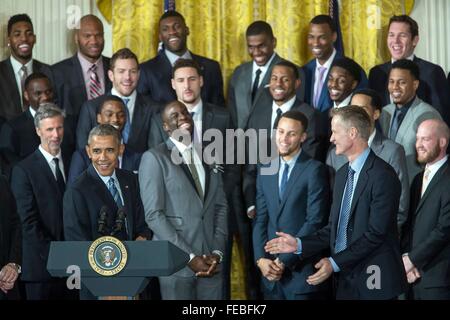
(362, 229)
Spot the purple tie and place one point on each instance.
(319, 86)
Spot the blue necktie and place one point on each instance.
(341, 238)
(284, 180)
(126, 129)
(114, 192)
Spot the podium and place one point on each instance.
(144, 259)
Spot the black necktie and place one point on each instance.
(277, 119)
(59, 177)
(398, 116)
(256, 84)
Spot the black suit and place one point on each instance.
(427, 235)
(39, 204)
(70, 85)
(156, 74)
(432, 88)
(11, 104)
(88, 194)
(10, 231)
(140, 125)
(371, 234)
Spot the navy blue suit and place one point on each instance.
(156, 74)
(432, 89)
(371, 234)
(80, 162)
(302, 210)
(88, 194)
(325, 101)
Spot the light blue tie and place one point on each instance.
(114, 192)
(284, 180)
(341, 238)
(127, 128)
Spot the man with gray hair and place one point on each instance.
(362, 230)
(38, 184)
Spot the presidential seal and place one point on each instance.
(107, 256)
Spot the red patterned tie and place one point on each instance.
(94, 83)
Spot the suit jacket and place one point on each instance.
(432, 87)
(156, 74)
(84, 199)
(11, 104)
(325, 103)
(393, 154)
(80, 162)
(173, 209)
(10, 229)
(239, 99)
(18, 139)
(140, 125)
(427, 233)
(406, 134)
(371, 234)
(302, 210)
(70, 86)
(39, 204)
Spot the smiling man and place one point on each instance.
(343, 79)
(156, 72)
(399, 120)
(185, 204)
(15, 69)
(402, 39)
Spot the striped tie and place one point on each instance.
(95, 88)
(341, 237)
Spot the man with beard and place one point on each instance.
(84, 76)
(427, 237)
(15, 69)
(184, 203)
(156, 72)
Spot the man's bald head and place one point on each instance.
(432, 140)
(89, 37)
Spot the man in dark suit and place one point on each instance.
(385, 148)
(38, 184)
(427, 237)
(85, 75)
(15, 69)
(362, 230)
(112, 112)
(321, 38)
(18, 138)
(403, 36)
(124, 75)
(102, 184)
(10, 242)
(248, 81)
(156, 72)
(294, 199)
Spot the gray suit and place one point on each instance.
(392, 153)
(406, 134)
(175, 212)
(240, 89)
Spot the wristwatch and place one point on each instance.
(18, 267)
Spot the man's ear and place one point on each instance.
(88, 151)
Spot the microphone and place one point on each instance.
(102, 221)
(120, 220)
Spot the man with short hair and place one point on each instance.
(15, 69)
(402, 39)
(247, 85)
(362, 228)
(426, 244)
(399, 120)
(157, 72)
(38, 184)
(294, 199)
(184, 203)
(124, 74)
(84, 76)
(386, 149)
(343, 79)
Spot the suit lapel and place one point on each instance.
(99, 188)
(433, 184)
(127, 201)
(11, 79)
(377, 143)
(362, 181)
(79, 75)
(46, 170)
(138, 117)
(408, 121)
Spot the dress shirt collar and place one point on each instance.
(328, 63)
(86, 64)
(292, 161)
(284, 107)
(262, 68)
(132, 96)
(174, 57)
(180, 146)
(17, 66)
(344, 102)
(198, 110)
(32, 112)
(49, 157)
(105, 179)
(358, 163)
(411, 57)
(372, 136)
(435, 167)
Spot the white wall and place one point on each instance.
(434, 31)
(54, 40)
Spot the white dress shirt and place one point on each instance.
(263, 70)
(17, 66)
(130, 104)
(49, 158)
